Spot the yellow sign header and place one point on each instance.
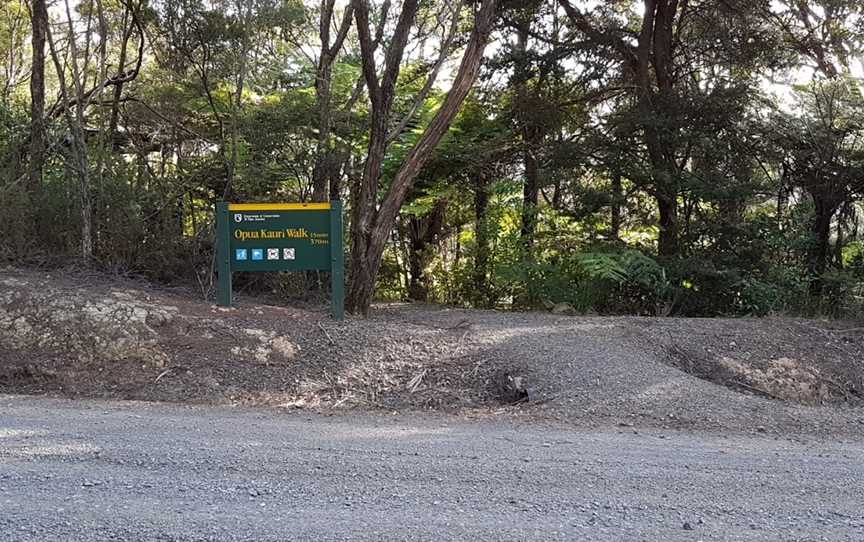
(278, 206)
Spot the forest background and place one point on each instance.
(665, 157)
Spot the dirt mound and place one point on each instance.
(92, 336)
(789, 360)
(105, 338)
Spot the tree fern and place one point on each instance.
(604, 266)
(620, 267)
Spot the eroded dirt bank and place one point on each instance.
(92, 336)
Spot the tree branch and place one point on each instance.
(433, 75)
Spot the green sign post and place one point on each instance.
(280, 237)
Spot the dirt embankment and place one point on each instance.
(94, 337)
(91, 336)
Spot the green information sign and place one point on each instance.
(280, 237)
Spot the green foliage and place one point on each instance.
(749, 171)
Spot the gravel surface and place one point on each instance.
(599, 371)
(80, 471)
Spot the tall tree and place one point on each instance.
(373, 222)
(324, 155)
(73, 103)
(531, 134)
(649, 67)
(82, 82)
(823, 154)
(677, 57)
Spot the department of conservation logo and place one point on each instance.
(238, 217)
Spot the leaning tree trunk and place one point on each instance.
(381, 94)
(366, 259)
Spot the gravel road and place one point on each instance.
(143, 471)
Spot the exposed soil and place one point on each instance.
(91, 336)
(96, 336)
(811, 363)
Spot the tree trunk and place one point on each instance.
(237, 98)
(650, 64)
(37, 97)
(530, 136)
(482, 296)
(820, 230)
(343, 167)
(381, 93)
(617, 201)
(667, 245)
(557, 194)
(75, 120)
(530, 200)
(655, 51)
(81, 165)
(837, 254)
(418, 290)
(118, 89)
(372, 228)
(423, 232)
(325, 161)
